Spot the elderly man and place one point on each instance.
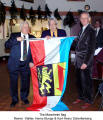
(85, 47)
(18, 63)
(53, 30)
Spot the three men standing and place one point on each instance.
(20, 57)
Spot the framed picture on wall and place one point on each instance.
(32, 1)
(77, 0)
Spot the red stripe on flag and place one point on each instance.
(38, 54)
(61, 77)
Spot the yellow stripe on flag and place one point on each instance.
(58, 92)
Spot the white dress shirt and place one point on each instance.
(83, 29)
(97, 31)
(27, 40)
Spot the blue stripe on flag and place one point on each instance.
(64, 56)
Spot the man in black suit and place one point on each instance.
(97, 69)
(99, 34)
(18, 63)
(85, 47)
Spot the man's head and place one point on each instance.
(85, 18)
(98, 23)
(24, 26)
(52, 24)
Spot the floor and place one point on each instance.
(69, 96)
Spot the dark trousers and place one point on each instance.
(84, 84)
(24, 83)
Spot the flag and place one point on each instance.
(49, 74)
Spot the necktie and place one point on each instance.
(53, 34)
(24, 49)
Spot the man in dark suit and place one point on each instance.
(53, 31)
(18, 63)
(85, 47)
(99, 34)
(97, 68)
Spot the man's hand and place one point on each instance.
(19, 39)
(83, 67)
(47, 37)
(31, 64)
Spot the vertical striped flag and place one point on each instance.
(49, 74)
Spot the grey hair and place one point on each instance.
(52, 18)
(84, 12)
(22, 23)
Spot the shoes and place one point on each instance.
(13, 104)
(77, 101)
(86, 105)
(26, 101)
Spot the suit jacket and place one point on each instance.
(15, 52)
(61, 33)
(99, 39)
(85, 47)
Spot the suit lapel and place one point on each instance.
(29, 36)
(19, 35)
(80, 33)
(84, 33)
(58, 32)
(29, 44)
(19, 45)
(49, 32)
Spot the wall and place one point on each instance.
(27, 5)
(95, 5)
(53, 4)
(62, 5)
